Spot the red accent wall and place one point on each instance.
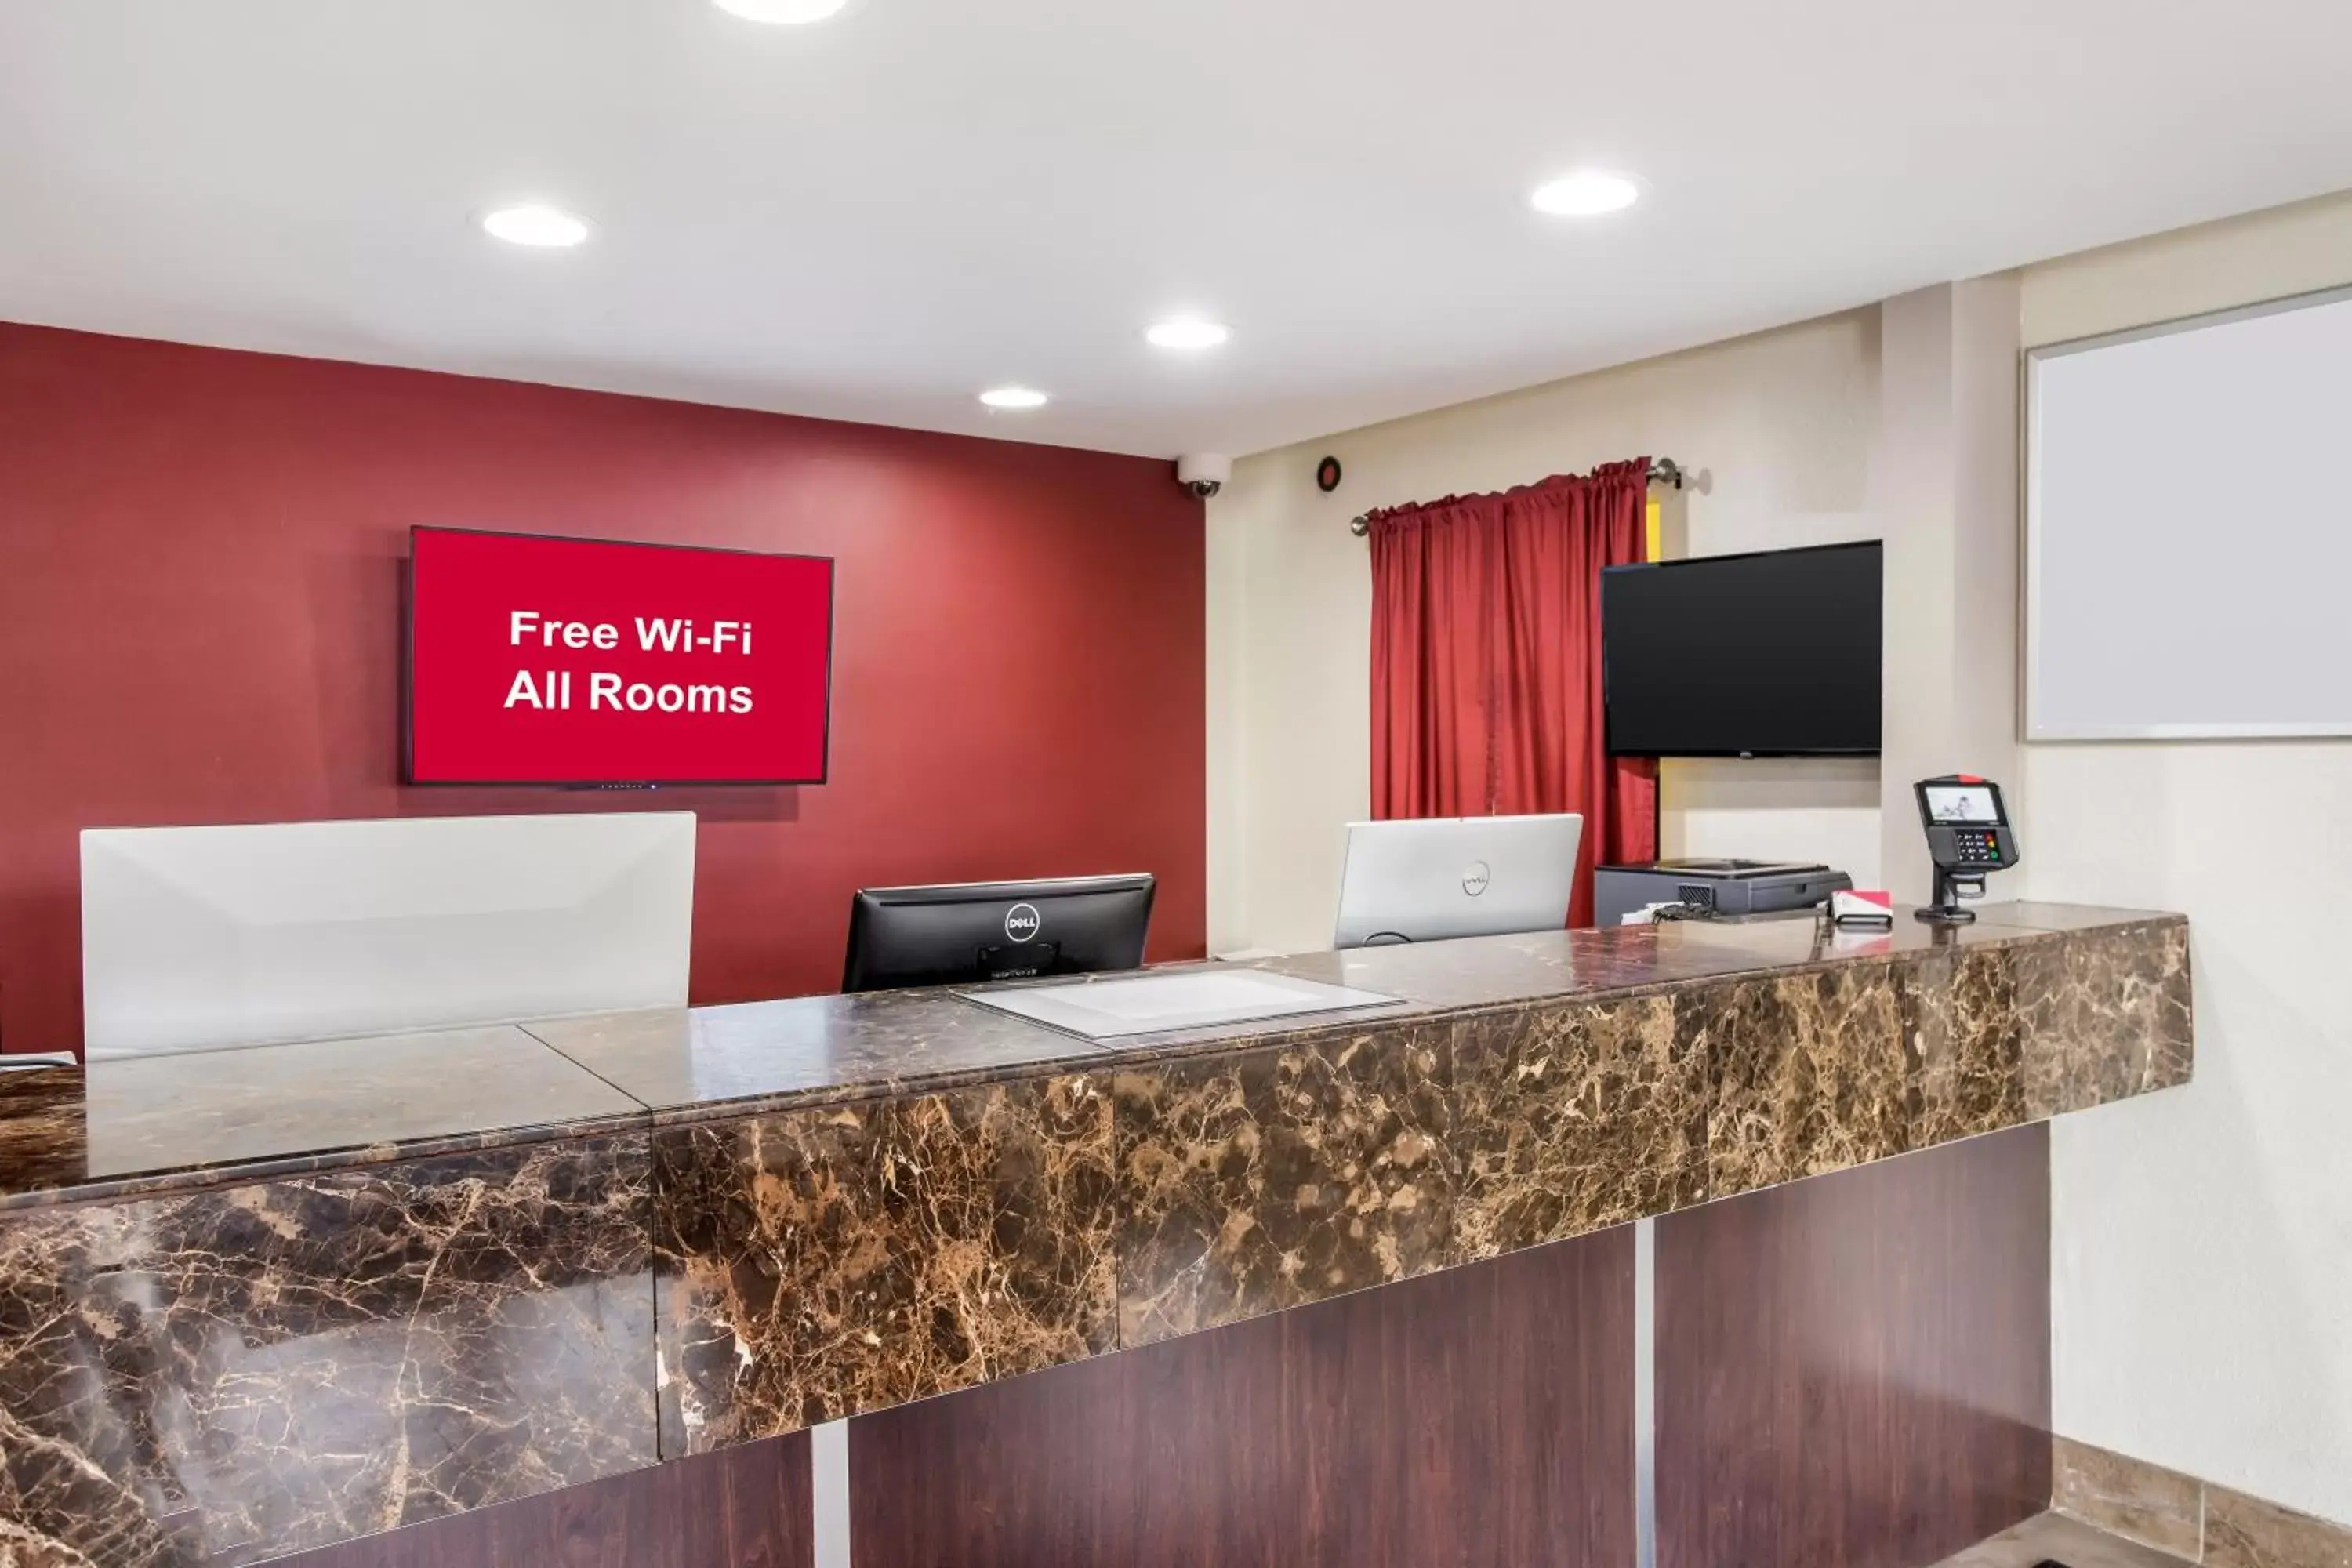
(200, 570)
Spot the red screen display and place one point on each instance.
(539, 660)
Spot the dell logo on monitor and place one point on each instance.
(1474, 880)
(1021, 922)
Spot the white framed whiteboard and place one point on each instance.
(2187, 537)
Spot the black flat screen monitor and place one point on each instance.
(1767, 654)
(970, 931)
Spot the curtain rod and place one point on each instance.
(1663, 471)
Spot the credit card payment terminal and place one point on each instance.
(1968, 836)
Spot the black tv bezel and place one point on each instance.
(408, 778)
(1608, 705)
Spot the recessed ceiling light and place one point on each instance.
(1187, 332)
(546, 227)
(1013, 397)
(793, 10)
(1586, 194)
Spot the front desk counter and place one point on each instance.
(257, 1302)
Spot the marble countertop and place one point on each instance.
(143, 1124)
(129, 1125)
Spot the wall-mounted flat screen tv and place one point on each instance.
(1769, 655)
(534, 659)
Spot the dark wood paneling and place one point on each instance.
(1854, 1371)
(747, 1508)
(1479, 1417)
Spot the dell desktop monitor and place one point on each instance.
(970, 931)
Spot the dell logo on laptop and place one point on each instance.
(1021, 922)
(1474, 880)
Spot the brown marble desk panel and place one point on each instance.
(259, 1300)
(223, 1374)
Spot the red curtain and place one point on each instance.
(1486, 662)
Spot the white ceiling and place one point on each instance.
(874, 217)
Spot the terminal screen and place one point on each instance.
(1971, 804)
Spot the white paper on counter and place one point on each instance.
(1188, 999)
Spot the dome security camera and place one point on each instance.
(1204, 473)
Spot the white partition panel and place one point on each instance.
(2189, 532)
(195, 938)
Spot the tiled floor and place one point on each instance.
(2054, 1538)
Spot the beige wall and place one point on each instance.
(2202, 1245)
(1782, 426)
(1946, 495)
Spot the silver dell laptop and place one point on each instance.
(1456, 876)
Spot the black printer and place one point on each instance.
(1712, 885)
